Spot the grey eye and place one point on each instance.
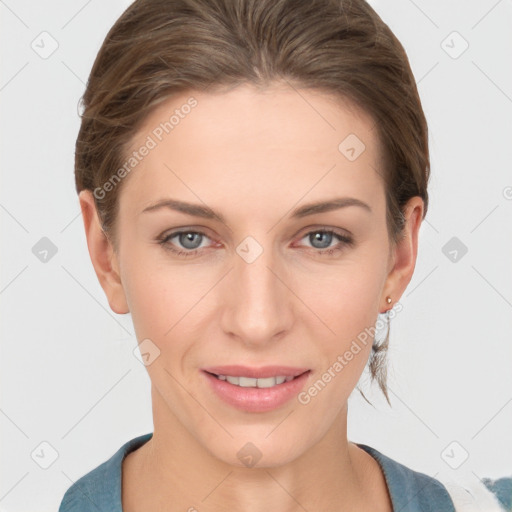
(323, 237)
(189, 239)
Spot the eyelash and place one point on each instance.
(344, 240)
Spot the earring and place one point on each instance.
(388, 299)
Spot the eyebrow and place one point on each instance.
(205, 212)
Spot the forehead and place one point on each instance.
(249, 114)
(260, 142)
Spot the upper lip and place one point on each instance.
(256, 373)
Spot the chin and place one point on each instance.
(256, 452)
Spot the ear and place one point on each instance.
(403, 255)
(103, 256)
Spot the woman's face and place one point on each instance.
(256, 279)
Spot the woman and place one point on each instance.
(252, 178)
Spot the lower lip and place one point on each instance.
(257, 399)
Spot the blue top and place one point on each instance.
(411, 491)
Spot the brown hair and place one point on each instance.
(158, 48)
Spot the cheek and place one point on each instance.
(345, 298)
(155, 295)
(349, 312)
(167, 302)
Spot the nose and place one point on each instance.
(258, 304)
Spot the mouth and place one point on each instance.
(256, 389)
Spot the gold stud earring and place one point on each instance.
(388, 299)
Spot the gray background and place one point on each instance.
(70, 379)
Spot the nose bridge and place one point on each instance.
(258, 299)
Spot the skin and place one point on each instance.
(253, 156)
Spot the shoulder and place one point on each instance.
(415, 491)
(100, 489)
(411, 490)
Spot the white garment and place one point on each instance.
(473, 496)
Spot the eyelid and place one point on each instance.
(324, 227)
(320, 227)
(305, 231)
(186, 229)
(169, 234)
(344, 237)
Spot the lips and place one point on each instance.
(257, 399)
(256, 373)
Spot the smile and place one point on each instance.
(257, 390)
(249, 382)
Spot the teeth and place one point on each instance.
(249, 382)
(269, 382)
